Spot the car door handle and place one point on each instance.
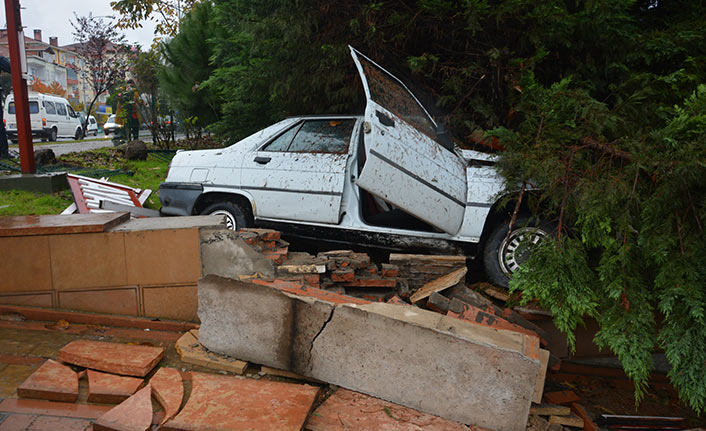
(262, 160)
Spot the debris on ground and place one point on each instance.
(332, 341)
(90, 193)
(192, 352)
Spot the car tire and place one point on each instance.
(79, 134)
(53, 135)
(502, 255)
(234, 214)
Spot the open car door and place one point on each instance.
(405, 164)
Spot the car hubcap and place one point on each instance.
(230, 220)
(516, 249)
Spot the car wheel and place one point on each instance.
(79, 134)
(53, 135)
(234, 214)
(503, 254)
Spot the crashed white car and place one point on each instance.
(381, 180)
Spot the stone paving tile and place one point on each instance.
(51, 423)
(131, 360)
(11, 376)
(349, 410)
(226, 403)
(168, 390)
(52, 381)
(52, 408)
(16, 422)
(109, 388)
(133, 414)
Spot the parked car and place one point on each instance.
(110, 125)
(51, 117)
(383, 179)
(92, 126)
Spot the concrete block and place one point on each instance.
(245, 321)
(401, 354)
(224, 254)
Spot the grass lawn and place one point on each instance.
(148, 174)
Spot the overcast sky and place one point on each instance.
(53, 18)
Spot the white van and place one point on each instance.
(51, 117)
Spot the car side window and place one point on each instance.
(323, 136)
(61, 109)
(281, 143)
(72, 113)
(50, 108)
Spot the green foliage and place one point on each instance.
(187, 58)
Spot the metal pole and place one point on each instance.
(15, 36)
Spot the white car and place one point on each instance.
(50, 116)
(92, 126)
(381, 180)
(110, 125)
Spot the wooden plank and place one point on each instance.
(59, 224)
(539, 383)
(588, 424)
(192, 352)
(561, 397)
(303, 269)
(427, 258)
(441, 283)
(550, 410)
(572, 420)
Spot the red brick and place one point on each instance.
(133, 414)
(266, 234)
(348, 410)
(228, 403)
(372, 282)
(16, 422)
(52, 381)
(131, 360)
(390, 270)
(561, 397)
(168, 390)
(478, 316)
(109, 388)
(52, 423)
(371, 270)
(343, 275)
(312, 279)
(313, 292)
(396, 300)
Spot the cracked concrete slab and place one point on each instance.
(420, 359)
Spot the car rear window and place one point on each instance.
(33, 107)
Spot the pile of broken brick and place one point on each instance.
(310, 348)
